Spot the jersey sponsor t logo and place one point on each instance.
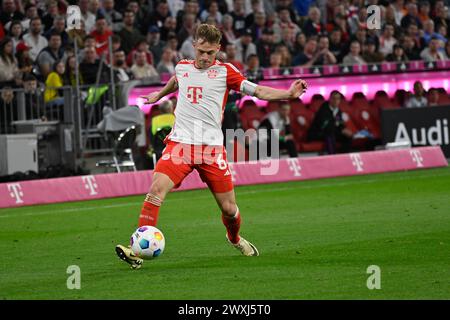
(194, 94)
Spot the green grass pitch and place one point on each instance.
(316, 239)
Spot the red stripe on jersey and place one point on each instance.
(234, 77)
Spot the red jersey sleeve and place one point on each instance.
(234, 77)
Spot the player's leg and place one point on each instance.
(161, 185)
(231, 218)
(169, 173)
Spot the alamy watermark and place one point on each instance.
(374, 17)
(374, 280)
(74, 279)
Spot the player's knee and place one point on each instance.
(158, 189)
(228, 208)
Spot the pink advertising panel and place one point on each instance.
(347, 85)
(23, 193)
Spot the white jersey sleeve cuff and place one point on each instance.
(248, 87)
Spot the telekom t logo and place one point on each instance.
(194, 93)
(90, 184)
(15, 191)
(294, 166)
(357, 161)
(416, 157)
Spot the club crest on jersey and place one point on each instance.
(212, 73)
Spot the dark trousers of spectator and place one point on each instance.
(332, 140)
(289, 145)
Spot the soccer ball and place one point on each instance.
(147, 242)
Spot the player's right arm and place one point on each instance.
(171, 86)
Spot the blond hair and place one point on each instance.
(208, 33)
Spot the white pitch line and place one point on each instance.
(326, 185)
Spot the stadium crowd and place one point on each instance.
(149, 37)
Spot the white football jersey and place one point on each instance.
(202, 95)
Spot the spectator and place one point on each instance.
(256, 7)
(129, 36)
(34, 39)
(190, 7)
(70, 72)
(52, 96)
(113, 18)
(418, 100)
(432, 52)
(276, 124)
(227, 30)
(120, 66)
(89, 68)
(307, 57)
(254, 73)
(34, 98)
(166, 64)
(424, 12)
(275, 60)
(313, 26)
(428, 33)
(10, 12)
(387, 40)
(172, 43)
(442, 18)
(155, 43)
(258, 26)
(290, 28)
(59, 27)
(265, 46)
(324, 56)
(187, 50)
(286, 57)
(328, 126)
(15, 32)
(170, 26)
(51, 13)
(411, 17)
(88, 42)
(244, 46)
(142, 12)
(101, 34)
(370, 53)
(141, 46)
(230, 51)
(399, 11)
(354, 57)
(337, 45)
(31, 12)
(212, 10)
(24, 61)
(188, 27)
(141, 68)
(50, 54)
(9, 70)
(239, 16)
(433, 97)
(87, 17)
(160, 14)
(358, 21)
(410, 49)
(398, 55)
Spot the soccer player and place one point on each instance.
(196, 140)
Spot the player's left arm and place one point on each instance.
(297, 88)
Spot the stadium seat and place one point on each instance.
(272, 106)
(301, 120)
(316, 102)
(400, 97)
(251, 115)
(382, 101)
